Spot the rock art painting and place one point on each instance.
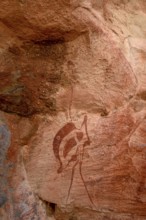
(72, 110)
(68, 147)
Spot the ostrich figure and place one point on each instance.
(68, 147)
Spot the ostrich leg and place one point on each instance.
(71, 182)
(89, 196)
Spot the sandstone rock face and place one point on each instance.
(73, 110)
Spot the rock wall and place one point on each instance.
(73, 110)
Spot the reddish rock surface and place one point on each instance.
(73, 110)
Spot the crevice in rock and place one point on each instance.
(48, 42)
(104, 112)
(50, 207)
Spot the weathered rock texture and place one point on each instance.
(73, 110)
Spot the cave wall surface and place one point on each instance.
(73, 110)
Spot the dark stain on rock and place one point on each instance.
(14, 50)
(5, 79)
(55, 77)
(73, 218)
(16, 100)
(29, 85)
(49, 42)
(55, 50)
(51, 105)
(142, 95)
(3, 199)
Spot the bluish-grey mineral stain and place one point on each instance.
(5, 138)
(3, 199)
